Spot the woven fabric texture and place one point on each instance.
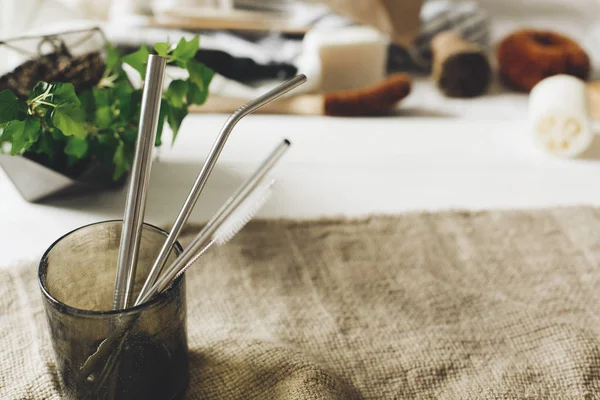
(452, 305)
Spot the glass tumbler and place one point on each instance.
(137, 353)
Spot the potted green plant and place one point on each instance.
(84, 137)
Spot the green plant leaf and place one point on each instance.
(22, 134)
(102, 97)
(102, 100)
(186, 50)
(3, 138)
(76, 147)
(138, 60)
(120, 160)
(103, 117)
(176, 93)
(136, 104)
(69, 119)
(129, 135)
(10, 129)
(200, 76)
(105, 137)
(101, 122)
(56, 134)
(64, 93)
(112, 57)
(196, 96)
(71, 160)
(162, 49)
(9, 106)
(87, 104)
(68, 115)
(175, 117)
(45, 145)
(127, 100)
(162, 116)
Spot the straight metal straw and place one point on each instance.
(207, 168)
(140, 175)
(215, 222)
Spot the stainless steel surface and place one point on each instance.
(208, 166)
(37, 183)
(213, 225)
(140, 176)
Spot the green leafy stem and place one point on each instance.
(65, 129)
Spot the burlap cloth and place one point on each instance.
(485, 305)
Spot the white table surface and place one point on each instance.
(456, 157)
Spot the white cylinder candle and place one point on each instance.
(558, 116)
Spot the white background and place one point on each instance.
(336, 167)
(436, 154)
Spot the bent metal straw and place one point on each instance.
(213, 155)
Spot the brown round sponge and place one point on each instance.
(527, 56)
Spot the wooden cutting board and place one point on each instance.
(194, 18)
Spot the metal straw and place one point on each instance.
(106, 347)
(207, 168)
(215, 222)
(140, 175)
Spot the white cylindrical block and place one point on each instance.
(346, 58)
(558, 116)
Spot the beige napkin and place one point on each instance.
(485, 305)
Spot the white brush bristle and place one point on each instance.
(245, 212)
(197, 256)
(238, 219)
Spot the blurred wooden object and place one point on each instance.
(460, 68)
(398, 19)
(192, 18)
(593, 93)
(379, 99)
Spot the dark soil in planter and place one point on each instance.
(83, 71)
